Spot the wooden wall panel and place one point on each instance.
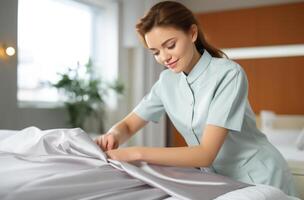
(178, 140)
(262, 26)
(276, 84)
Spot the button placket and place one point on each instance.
(192, 102)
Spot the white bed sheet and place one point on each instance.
(76, 178)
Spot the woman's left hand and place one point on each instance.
(128, 154)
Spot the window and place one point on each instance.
(54, 35)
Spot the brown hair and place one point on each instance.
(174, 14)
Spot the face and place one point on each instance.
(173, 48)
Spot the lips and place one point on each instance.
(171, 64)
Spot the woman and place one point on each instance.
(205, 96)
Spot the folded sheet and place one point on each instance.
(67, 164)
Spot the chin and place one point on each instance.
(176, 70)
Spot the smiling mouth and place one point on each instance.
(172, 64)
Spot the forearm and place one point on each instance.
(195, 156)
(121, 132)
(127, 127)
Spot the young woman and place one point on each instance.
(205, 97)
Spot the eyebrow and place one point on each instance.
(163, 43)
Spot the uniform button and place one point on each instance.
(191, 103)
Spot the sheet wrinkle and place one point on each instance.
(109, 184)
(19, 188)
(120, 194)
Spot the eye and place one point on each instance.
(171, 46)
(155, 53)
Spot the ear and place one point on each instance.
(193, 32)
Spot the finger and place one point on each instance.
(104, 142)
(110, 143)
(116, 144)
(97, 141)
(108, 154)
(111, 154)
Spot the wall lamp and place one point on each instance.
(6, 52)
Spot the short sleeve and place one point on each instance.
(227, 108)
(151, 107)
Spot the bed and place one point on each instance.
(67, 164)
(290, 143)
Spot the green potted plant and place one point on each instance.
(84, 95)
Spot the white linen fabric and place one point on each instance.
(67, 164)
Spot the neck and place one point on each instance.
(195, 59)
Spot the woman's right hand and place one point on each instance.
(107, 141)
(120, 132)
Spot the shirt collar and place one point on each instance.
(198, 68)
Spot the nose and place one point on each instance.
(165, 57)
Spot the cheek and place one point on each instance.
(184, 48)
(158, 60)
(185, 51)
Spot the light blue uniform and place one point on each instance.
(215, 92)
